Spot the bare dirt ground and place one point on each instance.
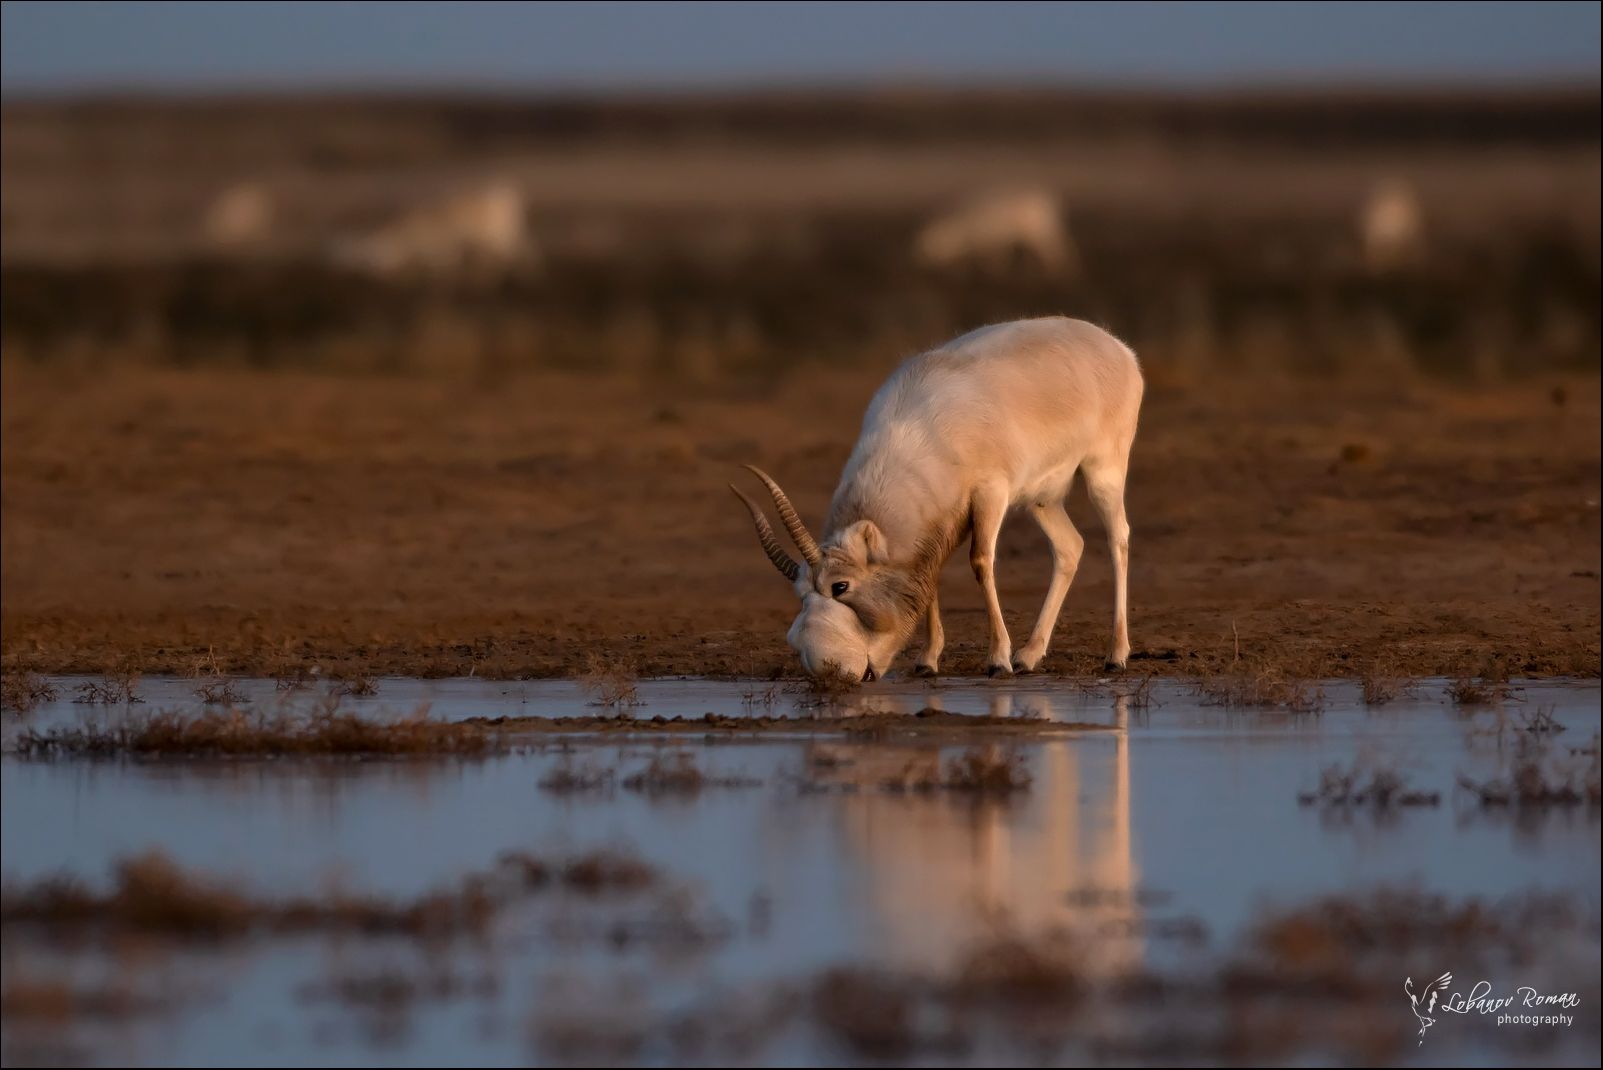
(389, 525)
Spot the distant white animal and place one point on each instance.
(240, 215)
(993, 228)
(485, 227)
(1392, 226)
(1003, 417)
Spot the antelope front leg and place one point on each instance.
(934, 641)
(987, 509)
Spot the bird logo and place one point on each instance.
(1424, 1002)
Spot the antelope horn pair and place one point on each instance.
(793, 525)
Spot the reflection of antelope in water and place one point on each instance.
(935, 865)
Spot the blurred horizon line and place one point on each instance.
(1312, 87)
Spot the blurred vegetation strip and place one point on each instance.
(233, 733)
(1284, 297)
(151, 894)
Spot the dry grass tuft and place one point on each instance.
(220, 692)
(1481, 684)
(294, 678)
(1137, 695)
(232, 733)
(20, 692)
(755, 696)
(827, 689)
(359, 686)
(1477, 691)
(1382, 685)
(611, 685)
(114, 689)
(1269, 688)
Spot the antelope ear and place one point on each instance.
(866, 538)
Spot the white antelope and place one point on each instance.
(484, 227)
(991, 228)
(1392, 226)
(1002, 417)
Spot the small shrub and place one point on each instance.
(359, 686)
(611, 685)
(221, 692)
(114, 689)
(21, 692)
(1269, 688)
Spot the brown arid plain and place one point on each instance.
(254, 460)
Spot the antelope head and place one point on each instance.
(857, 608)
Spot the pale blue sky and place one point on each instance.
(73, 46)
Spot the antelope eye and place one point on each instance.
(838, 589)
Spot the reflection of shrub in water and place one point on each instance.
(1540, 721)
(1317, 979)
(62, 1002)
(606, 871)
(873, 1013)
(150, 894)
(568, 779)
(1534, 785)
(677, 774)
(1379, 787)
(982, 770)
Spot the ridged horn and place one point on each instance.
(787, 516)
(765, 535)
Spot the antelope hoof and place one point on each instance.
(925, 670)
(1112, 666)
(998, 670)
(1023, 668)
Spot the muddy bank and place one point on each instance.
(926, 722)
(275, 523)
